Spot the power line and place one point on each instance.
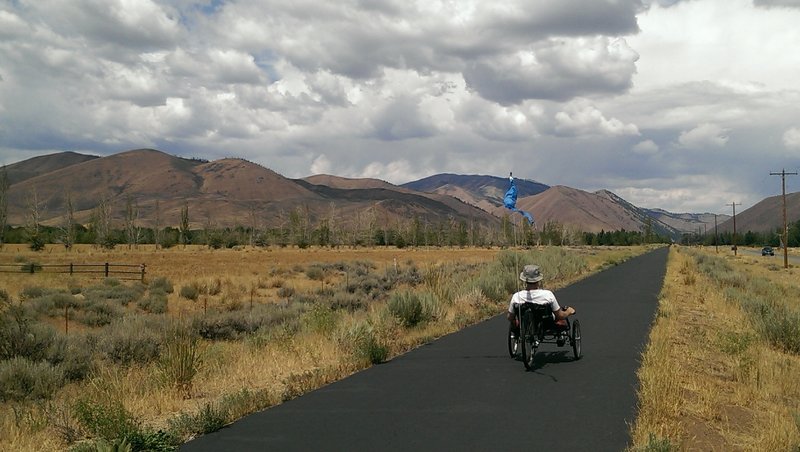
(785, 234)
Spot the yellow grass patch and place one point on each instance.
(708, 380)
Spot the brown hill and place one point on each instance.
(223, 193)
(348, 183)
(36, 166)
(451, 206)
(575, 208)
(766, 215)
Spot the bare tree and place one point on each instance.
(101, 223)
(68, 234)
(4, 185)
(132, 229)
(33, 220)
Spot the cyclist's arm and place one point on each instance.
(563, 314)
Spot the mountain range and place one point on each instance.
(235, 192)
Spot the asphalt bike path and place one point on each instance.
(463, 391)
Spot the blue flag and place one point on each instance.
(510, 201)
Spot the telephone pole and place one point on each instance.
(783, 175)
(734, 204)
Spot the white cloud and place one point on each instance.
(646, 147)
(704, 136)
(791, 138)
(581, 120)
(321, 165)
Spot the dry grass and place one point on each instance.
(276, 366)
(708, 381)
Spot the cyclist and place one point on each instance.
(531, 275)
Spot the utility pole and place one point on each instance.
(783, 175)
(734, 204)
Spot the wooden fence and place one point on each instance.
(119, 271)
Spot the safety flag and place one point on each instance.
(510, 200)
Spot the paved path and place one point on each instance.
(463, 392)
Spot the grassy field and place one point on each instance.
(212, 335)
(722, 365)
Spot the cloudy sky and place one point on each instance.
(682, 105)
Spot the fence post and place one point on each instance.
(106, 269)
(33, 266)
(142, 267)
(70, 268)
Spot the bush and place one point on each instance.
(112, 423)
(4, 298)
(155, 302)
(23, 379)
(112, 289)
(161, 283)
(180, 359)
(98, 313)
(131, 341)
(21, 336)
(190, 292)
(320, 319)
(315, 272)
(360, 341)
(233, 325)
(407, 307)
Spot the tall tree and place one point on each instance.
(132, 230)
(101, 223)
(34, 220)
(68, 232)
(184, 225)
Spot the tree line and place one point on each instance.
(748, 238)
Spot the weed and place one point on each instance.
(656, 444)
(181, 358)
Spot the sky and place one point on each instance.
(684, 105)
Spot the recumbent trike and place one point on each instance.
(537, 326)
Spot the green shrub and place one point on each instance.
(210, 418)
(161, 283)
(180, 358)
(235, 324)
(113, 290)
(131, 341)
(320, 318)
(348, 301)
(115, 427)
(286, 292)
(21, 335)
(98, 312)
(359, 339)
(155, 302)
(315, 272)
(23, 379)
(407, 307)
(190, 292)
